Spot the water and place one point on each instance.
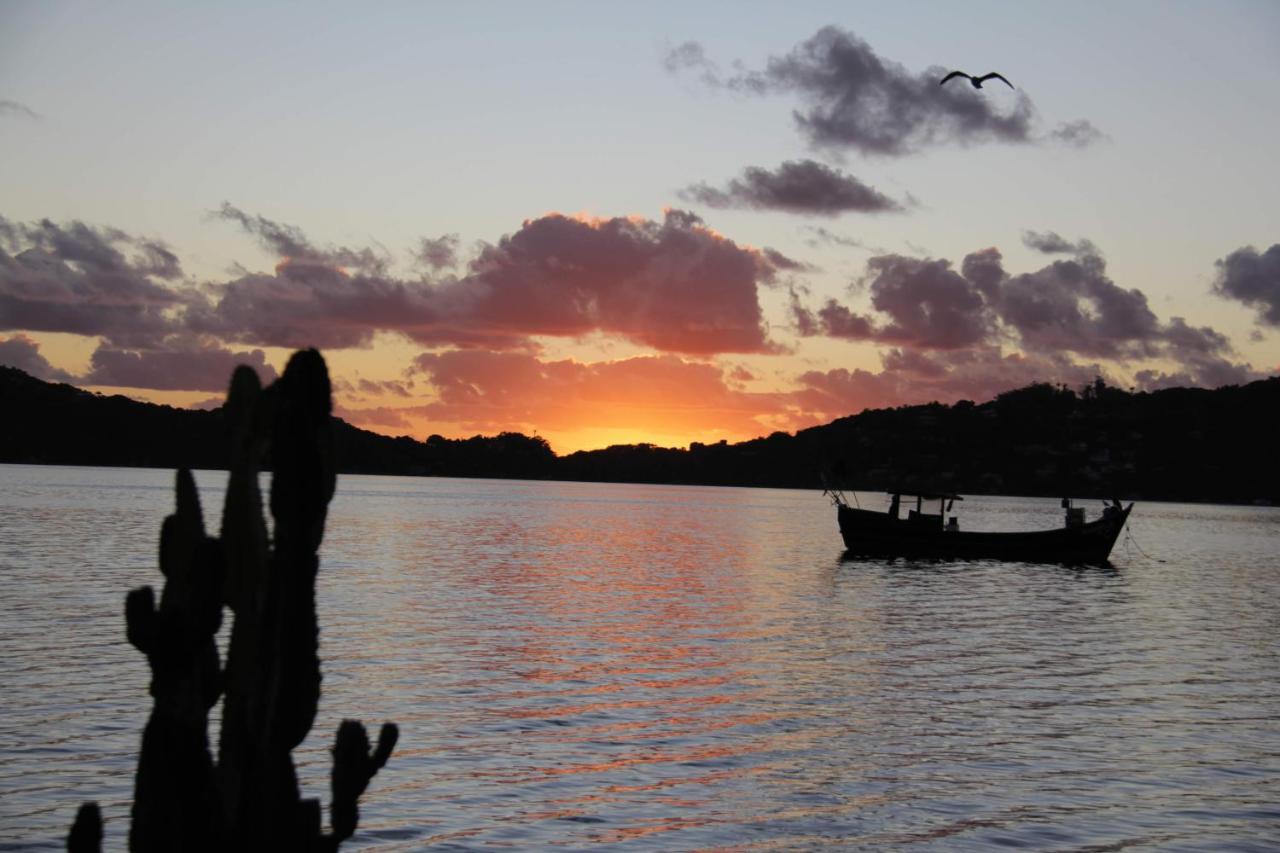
(681, 668)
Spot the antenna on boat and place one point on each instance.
(834, 491)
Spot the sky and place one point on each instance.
(618, 223)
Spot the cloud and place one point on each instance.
(182, 365)
(1252, 279)
(373, 417)
(1077, 134)
(489, 391)
(782, 263)
(439, 253)
(308, 303)
(797, 186)
(1201, 355)
(1071, 305)
(207, 404)
(89, 281)
(383, 386)
(1067, 309)
(1052, 243)
(911, 377)
(688, 57)
(854, 99)
(674, 285)
(23, 353)
(13, 108)
(823, 237)
(924, 303)
(288, 241)
(928, 304)
(984, 269)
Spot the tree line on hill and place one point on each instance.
(1175, 444)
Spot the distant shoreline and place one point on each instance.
(1181, 445)
(967, 495)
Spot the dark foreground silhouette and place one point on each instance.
(270, 682)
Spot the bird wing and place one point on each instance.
(994, 76)
(956, 74)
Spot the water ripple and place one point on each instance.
(662, 668)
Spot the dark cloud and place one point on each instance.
(1052, 243)
(837, 321)
(854, 99)
(88, 281)
(783, 263)
(804, 320)
(984, 269)
(1072, 306)
(924, 303)
(179, 365)
(1189, 339)
(928, 304)
(1253, 279)
(673, 284)
(1049, 242)
(797, 186)
(1067, 309)
(288, 241)
(23, 353)
(690, 56)
(1202, 358)
(13, 108)
(440, 253)
(910, 377)
(307, 303)
(823, 237)
(1077, 134)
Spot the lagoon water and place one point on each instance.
(686, 668)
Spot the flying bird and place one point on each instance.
(976, 81)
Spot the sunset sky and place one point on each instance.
(663, 222)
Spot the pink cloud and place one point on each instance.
(375, 417)
(674, 285)
(671, 284)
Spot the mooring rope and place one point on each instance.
(1129, 537)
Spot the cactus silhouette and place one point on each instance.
(270, 684)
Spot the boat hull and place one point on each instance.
(877, 534)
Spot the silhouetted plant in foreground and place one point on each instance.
(270, 684)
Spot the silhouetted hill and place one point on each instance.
(1176, 444)
(56, 424)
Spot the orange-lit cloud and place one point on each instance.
(488, 391)
(604, 295)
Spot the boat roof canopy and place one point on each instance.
(928, 496)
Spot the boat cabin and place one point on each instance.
(918, 515)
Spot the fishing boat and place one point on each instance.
(927, 534)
